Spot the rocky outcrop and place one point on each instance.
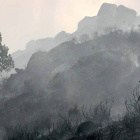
(109, 15)
(19, 70)
(106, 15)
(87, 22)
(112, 72)
(37, 46)
(121, 16)
(61, 37)
(125, 17)
(107, 9)
(42, 65)
(63, 53)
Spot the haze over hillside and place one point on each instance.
(111, 44)
(67, 75)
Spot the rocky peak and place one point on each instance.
(125, 16)
(30, 44)
(61, 37)
(107, 9)
(124, 10)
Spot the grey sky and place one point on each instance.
(24, 20)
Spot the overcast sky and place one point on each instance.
(25, 20)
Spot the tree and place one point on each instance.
(6, 61)
(74, 40)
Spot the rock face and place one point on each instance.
(125, 17)
(111, 15)
(36, 46)
(106, 15)
(107, 9)
(43, 64)
(61, 37)
(87, 22)
(61, 54)
(40, 44)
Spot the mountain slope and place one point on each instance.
(104, 67)
(109, 15)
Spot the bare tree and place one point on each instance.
(133, 105)
(100, 113)
(74, 40)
